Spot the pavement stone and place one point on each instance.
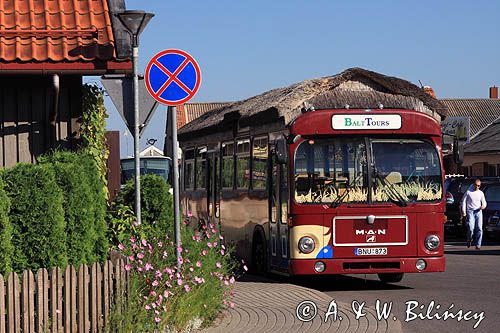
(271, 307)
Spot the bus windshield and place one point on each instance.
(337, 170)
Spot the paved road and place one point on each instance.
(471, 282)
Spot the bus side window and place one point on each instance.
(259, 164)
(189, 169)
(201, 168)
(228, 165)
(243, 163)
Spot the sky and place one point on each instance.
(247, 47)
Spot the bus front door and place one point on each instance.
(278, 214)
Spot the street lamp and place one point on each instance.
(135, 21)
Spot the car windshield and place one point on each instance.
(336, 170)
(492, 193)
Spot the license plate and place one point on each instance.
(370, 251)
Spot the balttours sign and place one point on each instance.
(366, 121)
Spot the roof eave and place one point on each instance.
(96, 67)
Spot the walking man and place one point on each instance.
(473, 202)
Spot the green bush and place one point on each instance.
(156, 205)
(6, 249)
(83, 205)
(37, 217)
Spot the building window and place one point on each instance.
(259, 167)
(189, 169)
(201, 168)
(243, 163)
(228, 165)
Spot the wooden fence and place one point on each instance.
(76, 300)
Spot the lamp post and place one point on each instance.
(135, 21)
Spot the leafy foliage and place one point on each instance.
(37, 217)
(156, 206)
(6, 249)
(93, 129)
(169, 298)
(84, 205)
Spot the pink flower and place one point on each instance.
(158, 274)
(179, 249)
(198, 264)
(231, 305)
(231, 280)
(222, 252)
(190, 214)
(136, 224)
(121, 247)
(218, 264)
(140, 255)
(221, 237)
(132, 239)
(160, 244)
(128, 267)
(148, 266)
(155, 283)
(204, 252)
(180, 260)
(186, 288)
(191, 269)
(226, 282)
(147, 307)
(179, 282)
(209, 244)
(157, 319)
(144, 242)
(186, 222)
(208, 234)
(132, 258)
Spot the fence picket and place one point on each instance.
(28, 302)
(42, 305)
(56, 299)
(93, 298)
(13, 306)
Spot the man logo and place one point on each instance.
(371, 238)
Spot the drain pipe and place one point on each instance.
(55, 110)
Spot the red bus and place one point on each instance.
(340, 185)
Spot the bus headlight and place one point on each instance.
(420, 264)
(432, 242)
(306, 244)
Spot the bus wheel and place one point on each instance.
(259, 257)
(390, 277)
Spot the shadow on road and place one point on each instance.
(326, 283)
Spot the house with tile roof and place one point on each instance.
(482, 153)
(46, 47)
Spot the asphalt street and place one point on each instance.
(471, 283)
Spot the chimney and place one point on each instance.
(430, 91)
(494, 92)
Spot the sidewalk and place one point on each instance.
(271, 307)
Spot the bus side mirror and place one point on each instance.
(458, 152)
(281, 151)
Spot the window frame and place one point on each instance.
(239, 155)
(252, 163)
(204, 174)
(192, 162)
(227, 157)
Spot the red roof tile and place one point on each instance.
(55, 31)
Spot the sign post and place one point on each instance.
(172, 78)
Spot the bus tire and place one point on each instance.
(259, 254)
(390, 277)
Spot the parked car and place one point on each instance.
(491, 215)
(455, 189)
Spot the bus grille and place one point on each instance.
(371, 265)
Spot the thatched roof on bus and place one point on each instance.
(356, 87)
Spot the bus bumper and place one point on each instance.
(372, 266)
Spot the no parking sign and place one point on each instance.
(172, 77)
